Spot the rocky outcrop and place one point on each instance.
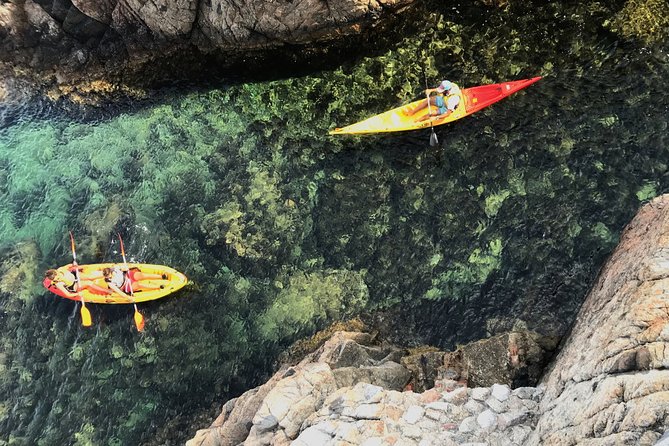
(274, 412)
(369, 415)
(610, 383)
(353, 388)
(67, 40)
(516, 359)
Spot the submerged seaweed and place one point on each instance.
(283, 230)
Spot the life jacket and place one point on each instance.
(50, 284)
(68, 283)
(120, 279)
(454, 91)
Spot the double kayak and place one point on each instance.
(173, 281)
(472, 100)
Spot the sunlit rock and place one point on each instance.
(610, 379)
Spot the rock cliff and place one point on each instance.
(608, 385)
(65, 41)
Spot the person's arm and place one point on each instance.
(65, 291)
(75, 268)
(117, 290)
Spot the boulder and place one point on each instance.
(515, 359)
(275, 413)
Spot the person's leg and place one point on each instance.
(93, 288)
(136, 275)
(421, 105)
(147, 286)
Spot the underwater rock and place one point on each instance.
(18, 270)
(646, 20)
(72, 43)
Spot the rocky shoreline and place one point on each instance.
(85, 50)
(608, 384)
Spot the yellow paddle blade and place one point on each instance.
(139, 321)
(86, 319)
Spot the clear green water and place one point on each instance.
(283, 229)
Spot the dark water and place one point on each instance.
(283, 229)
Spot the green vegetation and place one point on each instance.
(647, 20)
(284, 230)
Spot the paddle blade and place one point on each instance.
(433, 139)
(139, 321)
(86, 319)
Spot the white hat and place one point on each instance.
(444, 86)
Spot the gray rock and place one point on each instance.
(468, 425)
(518, 434)
(480, 393)
(266, 423)
(664, 440)
(389, 375)
(501, 392)
(413, 414)
(525, 393)
(136, 33)
(373, 394)
(496, 405)
(372, 441)
(512, 418)
(440, 406)
(487, 419)
(474, 407)
(311, 436)
(457, 396)
(412, 432)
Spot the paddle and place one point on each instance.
(86, 319)
(433, 137)
(139, 319)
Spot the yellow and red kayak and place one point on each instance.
(174, 281)
(471, 100)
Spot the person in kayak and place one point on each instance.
(445, 100)
(66, 282)
(124, 281)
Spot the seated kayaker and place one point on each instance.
(444, 102)
(66, 282)
(124, 281)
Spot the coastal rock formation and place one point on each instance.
(369, 415)
(516, 359)
(351, 389)
(610, 383)
(69, 39)
(274, 412)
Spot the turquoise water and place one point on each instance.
(284, 230)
